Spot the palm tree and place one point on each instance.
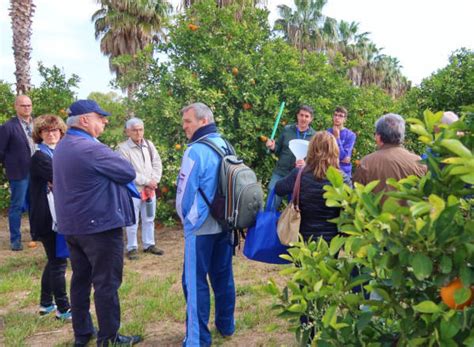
(127, 27)
(306, 27)
(21, 13)
(224, 3)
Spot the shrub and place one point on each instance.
(403, 253)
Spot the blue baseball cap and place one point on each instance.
(85, 106)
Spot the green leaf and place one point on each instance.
(446, 264)
(420, 130)
(449, 328)
(336, 243)
(461, 295)
(437, 206)
(370, 186)
(468, 178)
(422, 266)
(456, 147)
(335, 177)
(427, 307)
(329, 317)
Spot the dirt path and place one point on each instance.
(164, 333)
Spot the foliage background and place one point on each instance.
(243, 71)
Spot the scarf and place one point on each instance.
(203, 131)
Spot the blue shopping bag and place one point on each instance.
(61, 248)
(262, 242)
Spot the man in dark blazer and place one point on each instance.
(16, 149)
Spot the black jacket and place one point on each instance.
(314, 212)
(15, 153)
(41, 172)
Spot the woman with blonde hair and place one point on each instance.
(323, 152)
(48, 130)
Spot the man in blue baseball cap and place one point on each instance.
(93, 204)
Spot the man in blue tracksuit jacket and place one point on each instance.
(207, 250)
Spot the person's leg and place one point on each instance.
(46, 296)
(197, 255)
(104, 251)
(148, 225)
(222, 281)
(80, 290)
(277, 199)
(132, 230)
(57, 273)
(18, 192)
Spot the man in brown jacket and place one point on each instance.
(391, 160)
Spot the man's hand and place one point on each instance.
(300, 163)
(336, 132)
(270, 144)
(346, 160)
(152, 184)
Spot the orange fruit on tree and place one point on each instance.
(263, 138)
(247, 106)
(164, 189)
(193, 27)
(235, 71)
(447, 294)
(177, 146)
(283, 122)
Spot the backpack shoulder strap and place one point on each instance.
(216, 148)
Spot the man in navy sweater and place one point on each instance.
(16, 149)
(92, 206)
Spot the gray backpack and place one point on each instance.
(239, 195)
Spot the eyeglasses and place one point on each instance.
(49, 130)
(340, 115)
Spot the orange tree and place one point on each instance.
(404, 254)
(243, 73)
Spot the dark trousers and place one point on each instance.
(96, 260)
(53, 280)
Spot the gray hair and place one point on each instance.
(73, 120)
(132, 122)
(449, 117)
(391, 128)
(201, 111)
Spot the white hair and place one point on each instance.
(449, 117)
(132, 122)
(73, 120)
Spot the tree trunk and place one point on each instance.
(21, 13)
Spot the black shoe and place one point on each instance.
(122, 340)
(86, 339)
(132, 254)
(154, 250)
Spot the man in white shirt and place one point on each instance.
(144, 157)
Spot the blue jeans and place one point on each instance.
(277, 199)
(18, 205)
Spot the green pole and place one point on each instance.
(275, 126)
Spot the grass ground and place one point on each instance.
(151, 299)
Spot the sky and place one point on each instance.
(421, 34)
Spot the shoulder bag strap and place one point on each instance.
(296, 190)
(149, 151)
